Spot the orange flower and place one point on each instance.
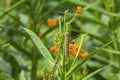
(83, 55)
(52, 22)
(54, 48)
(57, 50)
(78, 10)
(73, 48)
(79, 7)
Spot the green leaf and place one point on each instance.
(22, 77)
(40, 46)
(111, 51)
(95, 72)
(19, 48)
(15, 55)
(5, 66)
(51, 10)
(13, 7)
(106, 61)
(19, 59)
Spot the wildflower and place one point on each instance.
(79, 7)
(73, 48)
(52, 22)
(54, 48)
(83, 55)
(78, 10)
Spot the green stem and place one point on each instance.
(65, 13)
(64, 63)
(72, 18)
(34, 65)
(63, 70)
(116, 47)
(35, 58)
(115, 42)
(91, 5)
(60, 27)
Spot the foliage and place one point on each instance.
(59, 40)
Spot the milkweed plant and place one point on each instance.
(59, 40)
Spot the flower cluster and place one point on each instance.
(78, 9)
(54, 48)
(73, 48)
(52, 22)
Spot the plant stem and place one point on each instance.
(60, 27)
(34, 65)
(65, 14)
(115, 42)
(72, 18)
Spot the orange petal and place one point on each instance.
(83, 55)
(79, 7)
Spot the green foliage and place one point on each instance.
(26, 39)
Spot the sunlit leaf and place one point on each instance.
(40, 46)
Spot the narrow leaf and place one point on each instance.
(13, 7)
(22, 77)
(40, 46)
(95, 72)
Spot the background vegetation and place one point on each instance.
(27, 32)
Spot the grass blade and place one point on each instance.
(13, 7)
(95, 72)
